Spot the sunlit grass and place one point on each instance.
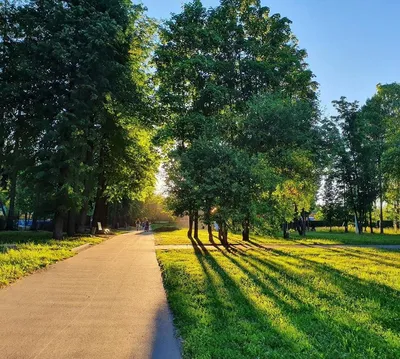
(285, 303)
(179, 236)
(318, 237)
(34, 250)
(389, 230)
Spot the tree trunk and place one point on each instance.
(370, 222)
(380, 198)
(196, 224)
(246, 230)
(224, 233)
(3, 210)
(100, 209)
(13, 192)
(209, 225)
(114, 221)
(190, 230)
(381, 231)
(285, 228)
(100, 213)
(86, 193)
(58, 225)
(82, 217)
(71, 223)
(303, 222)
(220, 236)
(358, 221)
(360, 224)
(396, 215)
(34, 222)
(210, 234)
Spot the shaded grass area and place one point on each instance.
(286, 303)
(34, 250)
(178, 236)
(164, 227)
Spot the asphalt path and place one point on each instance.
(106, 302)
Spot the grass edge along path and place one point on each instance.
(34, 251)
(285, 303)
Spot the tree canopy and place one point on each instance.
(95, 93)
(74, 130)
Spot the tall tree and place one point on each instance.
(210, 64)
(80, 72)
(355, 160)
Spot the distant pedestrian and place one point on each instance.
(138, 224)
(147, 226)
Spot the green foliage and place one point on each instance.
(362, 156)
(283, 133)
(75, 100)
(387, 106)
(225, 93)
(352, 159)
(333, 208)
(220, 71)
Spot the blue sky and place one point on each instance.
(352, 45)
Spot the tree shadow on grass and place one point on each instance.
(201, 247)
(20, 237)
(231, 307)
(323, 328)
(227, 300)
(217, 320)
(358, 290)
(359, 254)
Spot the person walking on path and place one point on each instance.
(147, 226)
(138, 224)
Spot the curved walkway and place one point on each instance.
(107, 302)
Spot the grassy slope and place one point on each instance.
(322, 236)
(34, 250)
(285, 303)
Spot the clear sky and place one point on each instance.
(352, 45)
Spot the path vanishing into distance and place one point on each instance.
(106, 302)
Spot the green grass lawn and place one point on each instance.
(34, 250)
(321, 236)
(179, 236)
(326, 237)
(285, 303)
